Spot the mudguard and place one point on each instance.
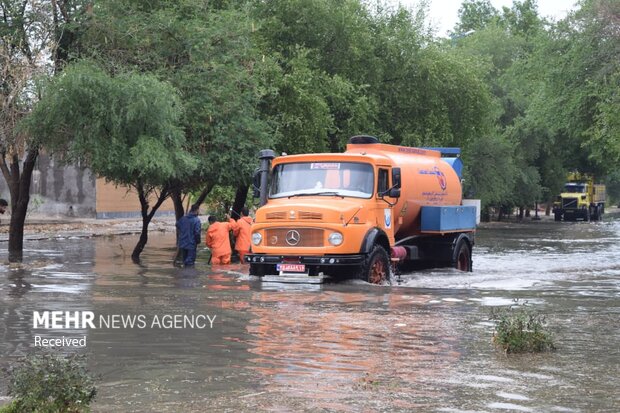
(464, 237)
(375, 236)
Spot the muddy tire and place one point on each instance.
(461, 259)
(376, 269)
(557, 216)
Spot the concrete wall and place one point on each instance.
(58, 190)
(71, 191)
(121, 202)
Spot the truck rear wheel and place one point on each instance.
(461, 260)
(376, 269)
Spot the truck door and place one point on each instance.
(384, 213)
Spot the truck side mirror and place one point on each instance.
(256, 184)
(394, 193)
(396, 179)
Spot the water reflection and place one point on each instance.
(17, 283)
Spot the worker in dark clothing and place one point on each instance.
(188, 228)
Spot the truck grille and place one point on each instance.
(294, 237)
(281, 215)
(569, 202)
(276, 215)
(310, 215)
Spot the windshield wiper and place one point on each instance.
(329, 193)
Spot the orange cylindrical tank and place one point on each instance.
(426, 179)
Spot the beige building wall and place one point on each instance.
(120, 202)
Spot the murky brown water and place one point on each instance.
(424, 345)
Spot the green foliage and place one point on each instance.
(125, 128)
(205, 51)
(582, 84)
(522, 18)
(50, 383)
(475, 15)
(297, 108)
(520, 329)
(613, 188)
(490, 170)
(321, 57)
(219, 201)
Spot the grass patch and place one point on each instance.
(50, 383)
(520, 329)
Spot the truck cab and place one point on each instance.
(580, 199)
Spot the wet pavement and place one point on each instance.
(424, 345)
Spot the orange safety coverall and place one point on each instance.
(242, 232)
(218, 240)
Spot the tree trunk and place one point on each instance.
(203, 195)
(19, 188)
(240, 197)
(147, 216)
(144, 238)
(177, 201)
(486, 215)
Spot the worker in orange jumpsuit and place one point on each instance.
(218, 240)
(242, 232)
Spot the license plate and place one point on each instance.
(291, 267)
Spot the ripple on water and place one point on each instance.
(509, 406)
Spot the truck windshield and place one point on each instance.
(348, 179)
(575, 188)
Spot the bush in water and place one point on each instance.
(519, 329)
(50, 383)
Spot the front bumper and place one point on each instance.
(580, 210)
(309, 260)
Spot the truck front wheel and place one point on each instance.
(376, 269)
(557, 216)
(462, 256)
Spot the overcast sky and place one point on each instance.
(444, 13)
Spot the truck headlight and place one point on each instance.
(335, 238)
(256, 238)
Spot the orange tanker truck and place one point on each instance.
(356, 213)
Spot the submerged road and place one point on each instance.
(423, 345)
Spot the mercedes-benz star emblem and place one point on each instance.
(292, 237)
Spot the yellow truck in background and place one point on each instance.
(581, 199)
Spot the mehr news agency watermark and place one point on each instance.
(68, 320)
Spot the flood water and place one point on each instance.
(424, 345)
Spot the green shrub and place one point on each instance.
(519, 329)
(50, 383)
